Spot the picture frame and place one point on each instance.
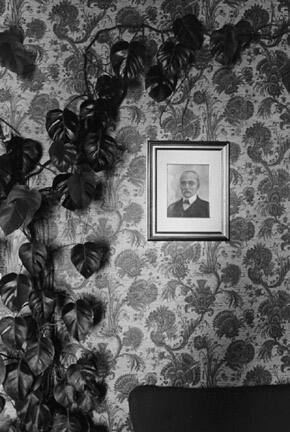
(187, 190)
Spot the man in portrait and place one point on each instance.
(190, 205)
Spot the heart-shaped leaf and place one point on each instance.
(189, 31)
(54, 122)
(34, 413)
(112, 89)
(78, 318)
(41, 305)
(81, 188)
(25, 153)
(6, 175)
(70, 353)
(174, 57)
(102, 151)
(2, 377)
(60, 186)
(228, 42)
(89, 257)
(18, 209)
(244, 33)
(18, 381)
(96, 306)
(160, 86)
(62, 124)
(14, 55)
(2, 400)
(62, 154)
(33, 257)
(73, 423)
(64, 394)
(79, 378)
(7, 331)
(32, 153)
(78, 375)
(15, 332)
(97, 115)
(39, 355)
(285, 75)
(14, 290)
(127, 59)
(224, 45)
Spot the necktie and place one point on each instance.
(186, 202)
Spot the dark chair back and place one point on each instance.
(227, 409)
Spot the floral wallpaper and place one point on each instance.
(177, 313)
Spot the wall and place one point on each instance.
(178, 313)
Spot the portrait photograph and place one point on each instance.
(188, 190)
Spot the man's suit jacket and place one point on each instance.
(199, 209)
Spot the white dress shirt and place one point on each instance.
(190, 201)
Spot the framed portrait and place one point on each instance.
(188, 190)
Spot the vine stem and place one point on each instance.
(64, 246)
(109, 29)
(6, 356)
(42, 167)
(9, 125)
(74, 99)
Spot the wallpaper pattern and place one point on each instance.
(178, 313)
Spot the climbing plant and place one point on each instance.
(55, 383)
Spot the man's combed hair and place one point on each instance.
(193, 172)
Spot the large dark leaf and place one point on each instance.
(15, 331)
(96, 306)
(174, 57)
(70, 353)
(89, 257)
(60, 186)
(160, 86)
(84, 380)
(18, 209)
(2, 376)
(79, 392)
(285, 75)
(6, 175)
(110, 88)
(35, 414)
(102, 151)
(18, 381)
(25, 153)
(78, 318)
(41, 305)
(97, 115)
(228, 42)
(62, 154)
(14, 290)
(224, 45)
(39, 355)
(14, 55)
(83, 388)
(189, 31)
(64, 394)
(71, 423)
(244, 33)
(2, 403)
(127, 59)
(81, 188)
(62, 124)
(7, 331)
(33, 257)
